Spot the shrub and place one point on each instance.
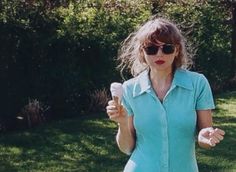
(33, 113)
(210, 37)
(98, 100)
(58, 53)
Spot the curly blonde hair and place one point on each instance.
(131, 56)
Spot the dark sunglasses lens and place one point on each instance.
(168, 49)
(151, 50)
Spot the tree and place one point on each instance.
(233, 7)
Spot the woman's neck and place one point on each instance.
(161, 82)
(158, 77)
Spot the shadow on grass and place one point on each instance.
(222, 154)
(224, 119)
(86, 144)
(5, 166)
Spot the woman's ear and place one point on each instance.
(141, 56)
(176, 51)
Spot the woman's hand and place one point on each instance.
(116, 112)
(209, 137)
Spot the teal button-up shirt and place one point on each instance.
(165, 131)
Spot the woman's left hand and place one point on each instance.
(209, 137)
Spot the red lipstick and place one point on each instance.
(160, 62)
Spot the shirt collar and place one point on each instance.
(143, 83)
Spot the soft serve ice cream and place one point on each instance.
(116, 92)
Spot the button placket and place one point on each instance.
(165, 151)
(164, 136)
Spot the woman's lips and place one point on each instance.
(159, 61)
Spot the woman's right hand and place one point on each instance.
(116, 112)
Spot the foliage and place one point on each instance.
(58, 53)
(209, 36)
(98, 100)
(224, 117)
(33, 113)
(24, 39)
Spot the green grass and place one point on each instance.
(222, 158)
(83, 144)
(88, 144)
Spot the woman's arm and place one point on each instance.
(204, 119)
(208, 136)
(125, 137)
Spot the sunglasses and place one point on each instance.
(153, 49)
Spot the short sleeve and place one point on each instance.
(126, 100)
(204, 95)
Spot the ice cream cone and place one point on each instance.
(116, 99)
(116, 92)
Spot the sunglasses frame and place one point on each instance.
(157, 48)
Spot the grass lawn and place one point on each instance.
(223, 157)
(87, 144)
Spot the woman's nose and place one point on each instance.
(159, 52)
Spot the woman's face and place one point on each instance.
(160, 56)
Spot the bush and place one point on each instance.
(98, 100)
(58, 54)
(34, 113)
(210, 37)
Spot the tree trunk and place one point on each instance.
(234, 36)
(157, 6)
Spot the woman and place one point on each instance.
(165, 105)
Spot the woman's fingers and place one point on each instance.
(216, 136)
(114, 116)
(111, 107)
(112, 110)
(219, 131)
(111, 102)
(214, 139)
(212, 142)
(211, 136)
